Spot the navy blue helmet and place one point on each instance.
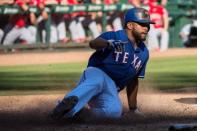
(138, 15)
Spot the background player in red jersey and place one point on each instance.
(158, 36)
(40, 20)
(139, 3)
(16, 29)
(58, 26)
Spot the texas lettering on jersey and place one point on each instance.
(122, 57)
(122, 66)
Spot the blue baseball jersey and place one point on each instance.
(123, 66)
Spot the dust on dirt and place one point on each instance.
(31, 112)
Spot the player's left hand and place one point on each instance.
(118, 45)
(137, 112)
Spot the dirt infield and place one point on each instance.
(31, 112)
(161, 110)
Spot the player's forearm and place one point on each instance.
(166, 20)
(132, 90)
(98, 43)
(32, 18)
(44, 15)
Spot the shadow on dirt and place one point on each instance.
(33, 115)
(33, 119)
(187, 100)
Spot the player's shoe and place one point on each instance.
(64, 41)
(64, 107)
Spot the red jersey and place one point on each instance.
(108, 2)
(156, 14)
(18, 19)
(19, 2)
(59, 1)
(36, 2)
(72, 2)
(144, 2)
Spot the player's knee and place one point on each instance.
(116, 112)
(95, 75)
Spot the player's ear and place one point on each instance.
(129, 26)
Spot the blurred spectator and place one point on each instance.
(113, 17)
(97, 16)
(150, 2)
(89, 23)
(1, 34)
(75, 26)
(32, 23)
(158, 38)
(138, 3)
(4, 18)
(58, 27)
(16, 29)
(188, 31)
(41, 20)
(164, 2)
(3, 2)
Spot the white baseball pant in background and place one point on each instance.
(58, 30)
(158, 38)
(1, 35)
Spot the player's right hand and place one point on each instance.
(118, 45)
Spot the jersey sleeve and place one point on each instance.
(108, 35)
(19, 2)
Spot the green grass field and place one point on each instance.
(170, 73)
(161, 73)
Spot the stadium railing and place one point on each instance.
(8, 9)
(179, 11)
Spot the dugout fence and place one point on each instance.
(180, 12)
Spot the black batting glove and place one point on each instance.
(118, 45)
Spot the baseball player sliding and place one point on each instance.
(119, 60)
